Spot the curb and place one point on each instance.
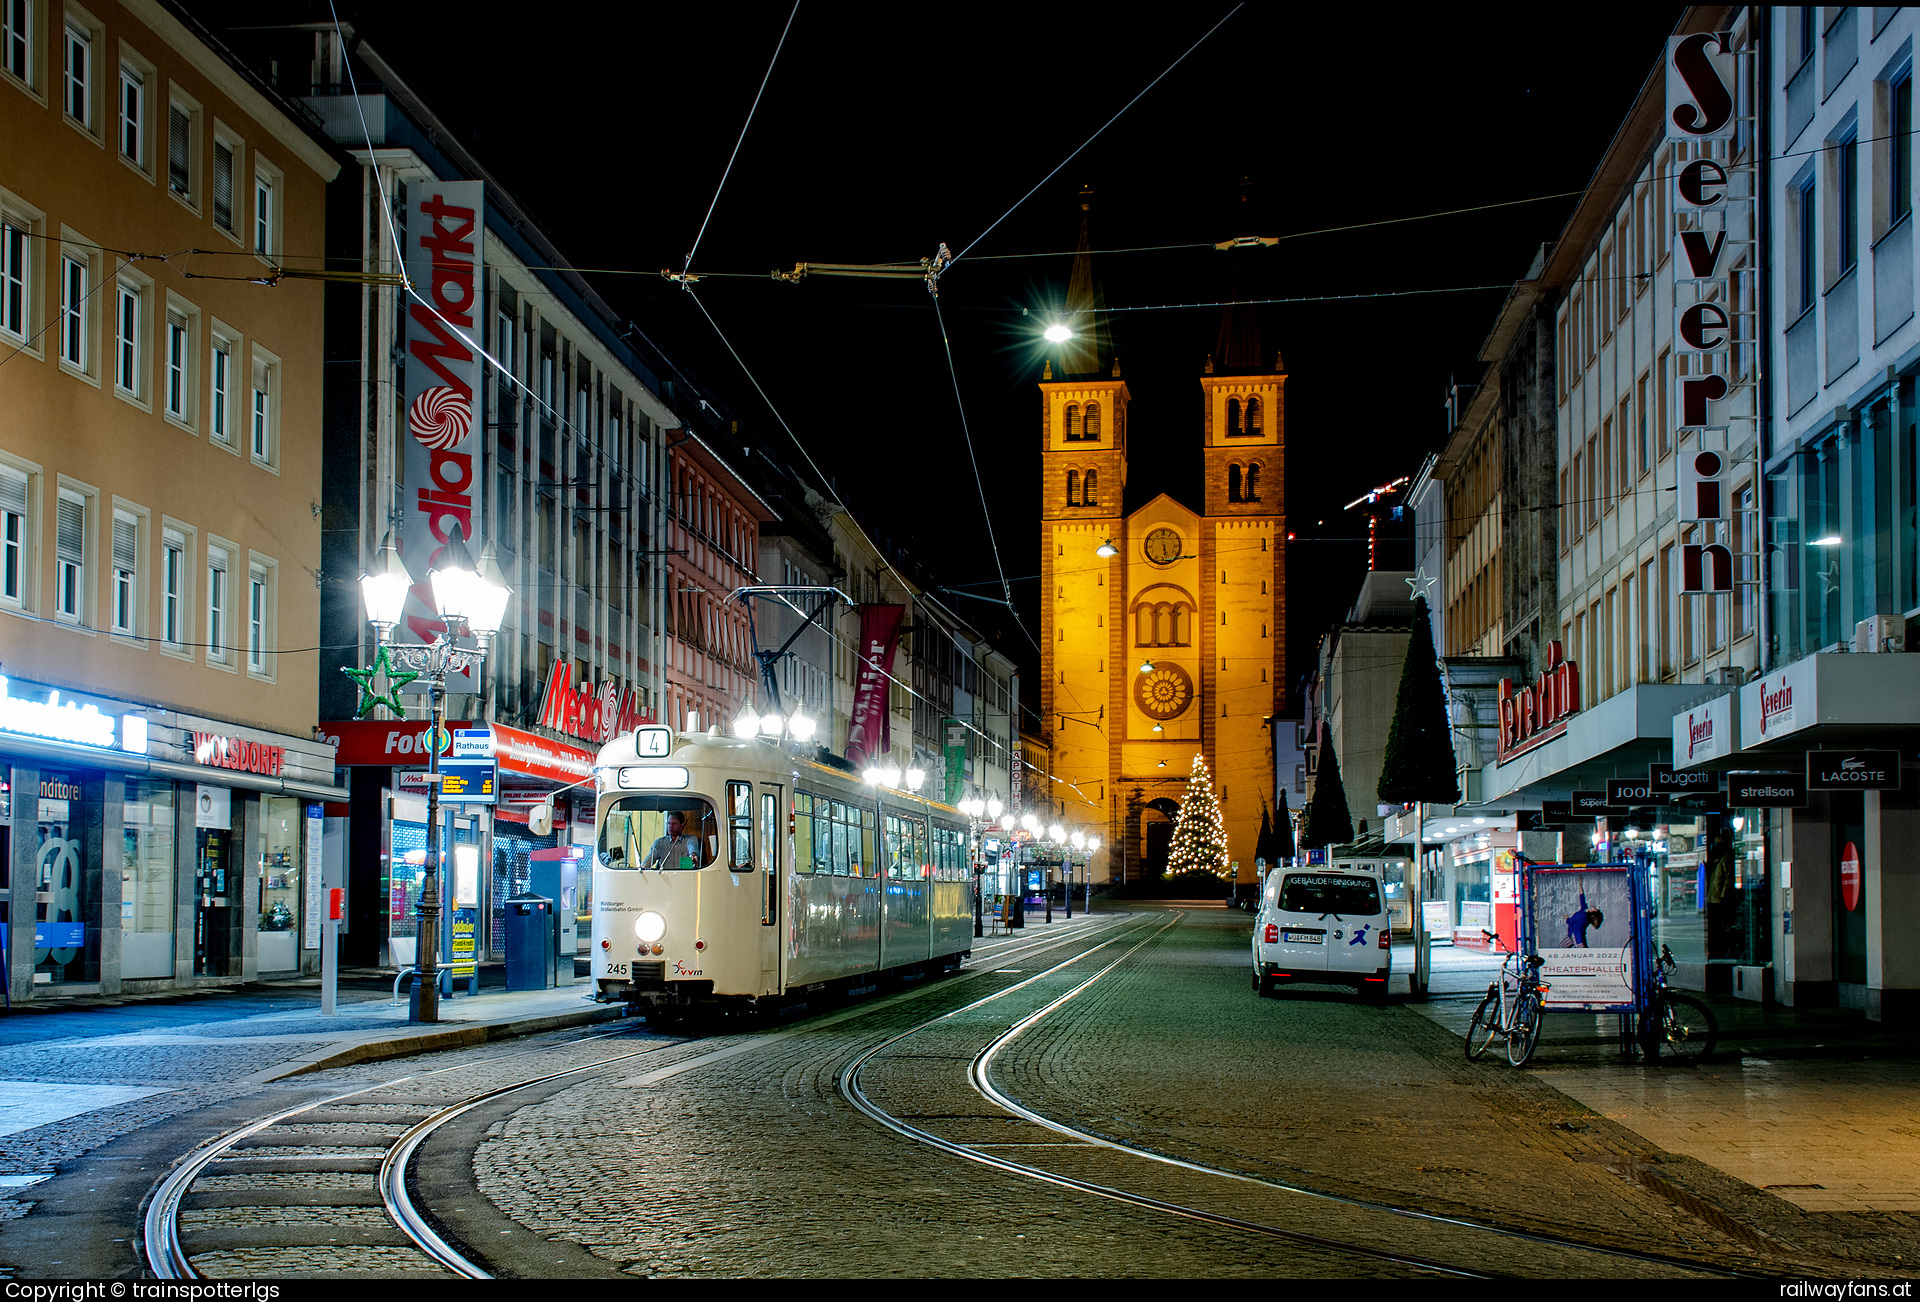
(455, 1037)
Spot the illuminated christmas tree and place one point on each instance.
(1199, 836)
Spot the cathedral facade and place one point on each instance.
(1163, 627)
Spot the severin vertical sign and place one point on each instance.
(442, 459)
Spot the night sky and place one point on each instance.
(883, 133)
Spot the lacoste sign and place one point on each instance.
(1853, 770)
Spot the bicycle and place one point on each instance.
(1511, 1009)
(1675, 1026)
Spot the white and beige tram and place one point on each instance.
(729, 872)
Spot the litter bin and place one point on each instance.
(529, 942)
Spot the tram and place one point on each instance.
(729, 873)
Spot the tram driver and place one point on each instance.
(677, 844)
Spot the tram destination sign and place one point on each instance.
(1664, 779)
(1766, 790)
(1853, 770)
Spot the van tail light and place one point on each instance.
(1273, 933)
(1386, 938)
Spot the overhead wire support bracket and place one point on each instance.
(1247, 242)
(684, 279)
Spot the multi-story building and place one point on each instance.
(162, 796)
(1163, 628)
(1840, 540)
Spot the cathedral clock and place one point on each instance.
(1164, 692)
(1163, 546)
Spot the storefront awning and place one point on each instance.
(1620, 736)
(1830, 699)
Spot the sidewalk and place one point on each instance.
(1814, 1105)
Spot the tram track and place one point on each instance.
(322, 1147)
(1460, 1231)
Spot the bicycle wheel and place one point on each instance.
(1484, 1027)
(1683, 1030)
(1524, 1038)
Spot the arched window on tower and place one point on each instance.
(1073, 420)
(1073, 488)
(1091, 497)
(1233, 482)
(1092, 429)
(1253, 415)
(1252, 491)
(1233, 417)
(1162, 622)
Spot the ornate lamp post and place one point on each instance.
(470, 599)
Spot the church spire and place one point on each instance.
(1238, 348)
(1085, 302)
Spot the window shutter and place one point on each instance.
(125, 545)
(13, 492)
(222, 186)
(71, 530)
(179, 150)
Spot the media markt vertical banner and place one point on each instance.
(955, 745)
(443, 373)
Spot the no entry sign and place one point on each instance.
(1850, 876)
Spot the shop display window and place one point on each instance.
(67, 897)
(281, 861)
(146, 879)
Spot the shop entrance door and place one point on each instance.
(1849, 925)
(216, 893)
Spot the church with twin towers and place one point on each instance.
(1163, 621)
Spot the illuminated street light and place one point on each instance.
(993, 807)
(1146, 666)
(1106, 549)
(1058, 334)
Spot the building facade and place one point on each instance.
(160, 469)
(1163, 628)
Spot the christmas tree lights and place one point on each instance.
(1199, 836)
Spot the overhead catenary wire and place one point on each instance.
(1096, 135)
(781, 44)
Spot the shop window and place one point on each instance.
(146, 880)
(67, 911)
(281, 863)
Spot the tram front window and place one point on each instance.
(671, 833)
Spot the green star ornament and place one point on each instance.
(363, 679)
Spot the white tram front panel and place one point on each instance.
(752, 873)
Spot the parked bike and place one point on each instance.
(1512, 1009)
(1676, 1027)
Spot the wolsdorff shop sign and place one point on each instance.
(218, 752)
(1536, 713)
(1853, 770)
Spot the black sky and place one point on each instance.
(884, 132)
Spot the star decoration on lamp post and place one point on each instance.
(364, 679)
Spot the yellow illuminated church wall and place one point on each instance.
(1198, 596)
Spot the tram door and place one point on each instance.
(773, 835)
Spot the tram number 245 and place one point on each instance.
(616, 969)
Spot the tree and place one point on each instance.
(1282, 831)
(1419, 764)
(1263, 847)
(1328, 822)
(1199, 835)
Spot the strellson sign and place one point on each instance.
(1535, 714)
(443, 373)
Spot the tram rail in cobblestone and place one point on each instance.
(979, 1075)
(169, 1258)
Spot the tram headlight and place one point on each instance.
(649, 926)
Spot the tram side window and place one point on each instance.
(671, 832)
(869, 841)
(740, 825)
(803, 831)
(918, 865)
(843, 841)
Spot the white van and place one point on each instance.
(1323, 925)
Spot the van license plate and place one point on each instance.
(1306, 937)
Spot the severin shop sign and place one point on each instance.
(591, 716)
(442, 383)
(1537, 713)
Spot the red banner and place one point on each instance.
(400, 743)
(871, 731)
(523, 752)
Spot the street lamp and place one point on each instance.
(471, 600)
(973, 807)
(1058, 334)
(1106, 550)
